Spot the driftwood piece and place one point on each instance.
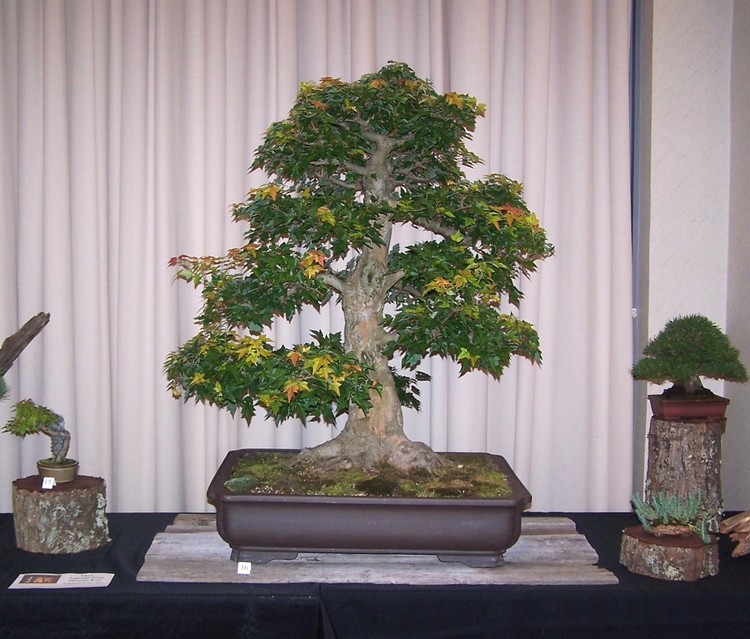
(738, 529)
(14, 344)
(685, 456)
(671, 558)
(67, 518)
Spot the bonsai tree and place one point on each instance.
(351, 162)
(31, 418)
(686, 349)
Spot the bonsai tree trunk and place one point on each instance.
(376, 436)
(60, 437)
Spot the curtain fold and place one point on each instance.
(127, 130)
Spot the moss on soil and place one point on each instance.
(272, 473)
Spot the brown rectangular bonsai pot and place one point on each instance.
(260, 528)
(698, 408)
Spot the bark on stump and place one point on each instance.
(685, 456)
(67, 518)
(669, 558)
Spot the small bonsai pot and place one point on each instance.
(678, 408)
(61, 472)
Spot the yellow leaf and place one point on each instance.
(252, 348)
(454, 99)
(312, 270)
(532, 221)
(294, 357)
(464, 354)
(321, 365)
(306, 87)
(325, 214)
(313, 263)
(438, 284)
(269, 190)
(294, 386)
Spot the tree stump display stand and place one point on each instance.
(685, 456)
(672, 558)
(67, 518)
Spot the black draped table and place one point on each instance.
(637, 606)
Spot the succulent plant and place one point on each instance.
(674, 510)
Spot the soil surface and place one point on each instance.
(280, 473)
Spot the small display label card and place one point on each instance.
(64, 580)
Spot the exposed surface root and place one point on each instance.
(369, 453)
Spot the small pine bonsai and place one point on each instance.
(673, 510)
(686, 349)
(31, 418)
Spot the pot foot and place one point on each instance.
(475, 561)
(260, 557)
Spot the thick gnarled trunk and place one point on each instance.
(376, 437)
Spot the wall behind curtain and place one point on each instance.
(126, 132)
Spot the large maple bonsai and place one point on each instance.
(349, 163)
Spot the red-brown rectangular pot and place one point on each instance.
(260, 528)
(698, 408)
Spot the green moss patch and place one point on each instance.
(273, 473)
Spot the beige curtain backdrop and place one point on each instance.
(126, 131)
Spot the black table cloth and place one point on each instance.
(636, 607)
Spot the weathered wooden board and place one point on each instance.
(549, 552)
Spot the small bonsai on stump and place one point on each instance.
(30, 418)
(684, 439)
(351, 162)
(70, 518)
(686, 349)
